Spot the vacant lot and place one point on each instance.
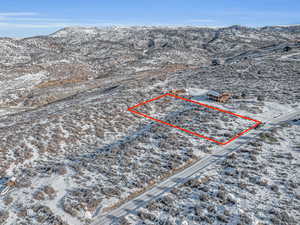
(199, 118)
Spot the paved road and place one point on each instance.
(218, 153)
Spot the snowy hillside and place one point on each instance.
(76, 152)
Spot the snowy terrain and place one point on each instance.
(77, 152)
(257, 185)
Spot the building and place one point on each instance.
(178, 92)
(218, 97)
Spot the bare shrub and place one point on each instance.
(61, 170)
(3, 216)
(49, 191)
(22, 213)
(38, 195)
(8, 200)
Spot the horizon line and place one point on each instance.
(153, 26)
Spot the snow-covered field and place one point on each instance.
(260, 184)
(77, 152)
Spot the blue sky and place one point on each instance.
(20, 18)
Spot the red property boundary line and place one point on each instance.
(191, 132)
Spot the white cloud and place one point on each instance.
(33, 20)
(23, 25)
(16, 14)
(49, 25)
(37, 19)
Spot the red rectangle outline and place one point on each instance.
(191, 132)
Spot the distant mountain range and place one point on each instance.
(77, 58)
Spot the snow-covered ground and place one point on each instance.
(260, 184)
(77, 152)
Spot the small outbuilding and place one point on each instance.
(218, 97)
(178, 91)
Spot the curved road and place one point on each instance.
(218, 153)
